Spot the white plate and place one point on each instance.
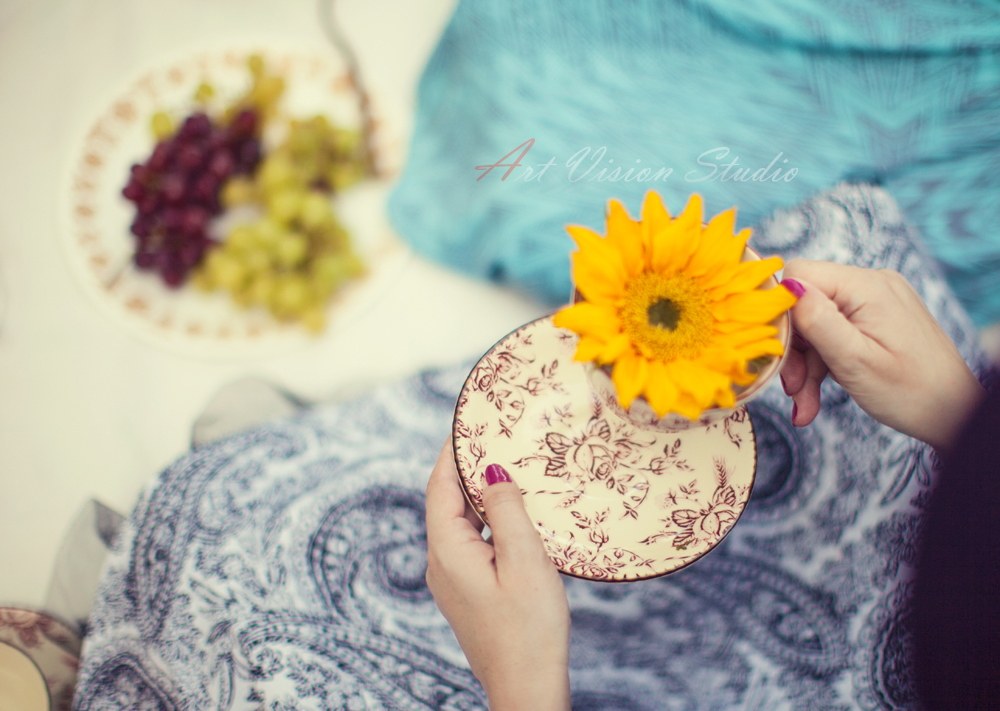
(98, 244)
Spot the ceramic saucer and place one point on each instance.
(613, 501)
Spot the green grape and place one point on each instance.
(344, 175)
(161, 125)
(276, 172)
(201, 280)
(313, 318)
(330, 270)
(204, 93)
(241, 239)
(269, 233)
(303, 141)
(262, 288)
(257, 261)
(229, 273)
(284, 205)
(291, 249)
(255, 63)
(290, 296)
(243, 296)
(345, 141)
(237, 191)
(315, 211)
(266, 92)
(333, 236)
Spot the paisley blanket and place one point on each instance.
(283, 568)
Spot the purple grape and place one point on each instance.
(144, 260)
(195, 126)
(205, 188)
(160, 158)
(244, 125)
(218, 140)
(191, 156)
(133, 190)
(191, 253)
(172, 187)
(194, 221)
(172, 218)
(173, 276)
(142, 226)
(248, 156)
(222, 164)
(141, 174)
(149, 203)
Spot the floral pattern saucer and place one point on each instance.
(612, 501)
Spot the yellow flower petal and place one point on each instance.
(715, 240)
(614, 349)
(754, 306)
(744, 277)
(660, 391)
(696, 380)
(769, 346)
(724, 360)
(588, 348)
(687, 406)
(673, 246)
(629, 375)
(745, 335)
(596, 284)
(589, 319)
(655, 219)
(625, 235)
(725, 397)
(598, 250)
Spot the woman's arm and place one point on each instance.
(504, 599)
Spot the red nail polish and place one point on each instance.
(794, 286)
(495, 474)
(795, 412)
(784, 386)
(799, 343)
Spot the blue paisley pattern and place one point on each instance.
(283, 568)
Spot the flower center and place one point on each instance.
(666, 316)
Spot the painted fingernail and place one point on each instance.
(784, 385)
(495, 474)
(794, 286)
(795, 413)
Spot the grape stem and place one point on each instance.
(339, 41)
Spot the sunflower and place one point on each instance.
(669, 305)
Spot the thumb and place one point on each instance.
(818, 320)
(515, 539)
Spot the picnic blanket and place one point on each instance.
(283, 567)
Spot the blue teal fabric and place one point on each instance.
(905, 95)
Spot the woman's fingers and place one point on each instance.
(793, 371)
(447, 516)
(514, 536)
(807, 398)
(817, 318)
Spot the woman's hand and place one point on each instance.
(872, 333)
(505, 599)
